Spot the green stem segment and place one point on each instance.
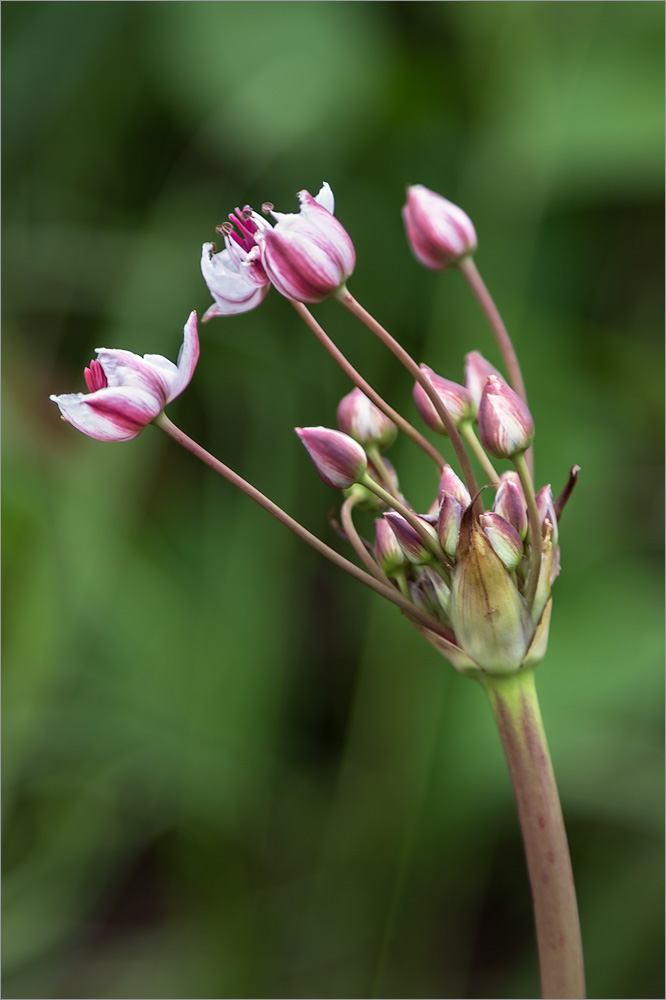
(513, 700)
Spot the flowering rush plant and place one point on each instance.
(473, 574)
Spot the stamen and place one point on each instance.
(267, 207)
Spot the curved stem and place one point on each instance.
(375, 456)
(513, 700)
(385, 590)
(356, 309)
(471, 273)
(356, 542)
(365, 387)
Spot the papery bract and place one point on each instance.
(128, 391)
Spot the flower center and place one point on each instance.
(240, 228)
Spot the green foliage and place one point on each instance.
(229, 771)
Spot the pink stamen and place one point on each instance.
(95, 377)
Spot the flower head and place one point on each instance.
(128, 391)
(439, 233)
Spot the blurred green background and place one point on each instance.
(230, 771)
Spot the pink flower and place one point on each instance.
(439, 233)
(127, 391)
(307, 256)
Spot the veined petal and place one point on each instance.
(325, 197)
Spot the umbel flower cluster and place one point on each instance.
(475, 582)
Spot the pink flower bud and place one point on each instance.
(546, 509)
(504, 539)
(439, 233)
(308, 256)
(506, 427)
(339, 460)
(510, 502)
(455, 398)
(409, 539)
(128, 391)
(388, 552)
(361, 419)
(448, 524)
(477, 371)
(451, 483)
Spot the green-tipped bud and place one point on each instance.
(490, 618)
(430, 592)
(339, 460)
(506, 427)
(361, 419)
(448, 524)
(504, 539)
(388, 552)
(454, 397)
(510, 502)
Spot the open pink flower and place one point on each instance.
(128, 391)
(306, 256)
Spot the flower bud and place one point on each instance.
(430, 592)
(308, 256)
(455, 398)
(451, 483)
(510, 502)
(439, 233)
(448, 524)
(339, 460)
(388, 552)
(359, 417)
(506, 427)
(477, 372)
(409, 539)
(490, 618)
(504, 539)
(546, 509)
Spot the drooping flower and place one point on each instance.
(128, 391)
(439, 233)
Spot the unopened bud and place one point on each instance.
(339, 460)
(409, 539)
(448, 524)
(546, 509)
(451, 483)
(477, 372)
(388, 552)
(504, 539)
(454, 397)
(359, 417)
(510, 502)
(430, 592)
(506, 427)
(439, 233)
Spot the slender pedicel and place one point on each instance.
(358, 380)
(356, 309)
(385, 590)
(357, 542)
(468, 434)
